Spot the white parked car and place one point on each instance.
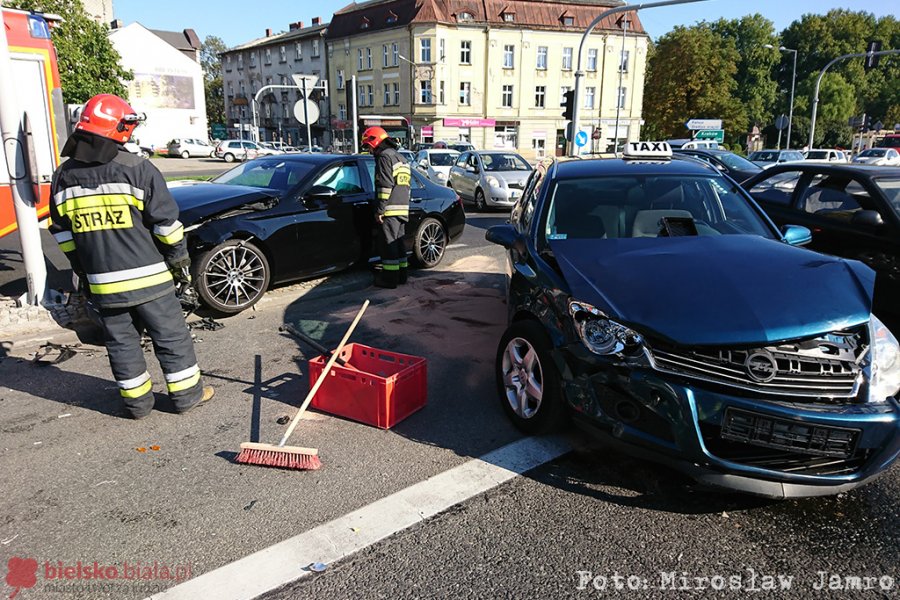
(825, 156)
(188, 147)
(882, 157)
(270, 148)
(435, 164)
(232, 150)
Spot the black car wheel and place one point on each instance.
(185, 154)
(479, 200)
(527, 379)
(232, 277)
(430, 243)
(229, 157)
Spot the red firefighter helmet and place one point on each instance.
(109, 116)
(373, 136)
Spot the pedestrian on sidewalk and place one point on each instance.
(117, 223)
(392, 175)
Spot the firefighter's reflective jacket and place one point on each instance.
(392, 176)
(118, 225)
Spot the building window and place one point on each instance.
(542, 58)
(540, 92)
(505, 137)
(589, 97)
(369, 58)
(507, 99)
(396, 94)
(342, 112)
(230, 89)
(283, 80)
(509, 61)
(268, 81)
(465, 17)
(509, 17)
(623, 61)
(268, 56)
(539, 145)
(387, 93)
(425, 92)
(364, 24)
(442, 49)
(425, 50)
(592, 59)
(441, 99)
(385, 58)
(465, 52)
(243, 89)
(268, 109)
(621, 97)
(567, 59)
(298, 51)
(282, 54)
(562, 94)
(465, 95)
(240, 61)
(371, 96)
(359, 59)
(340, 79)
(315, 49)
(395, 52)
(361, 95)
(391, 18)
(568, 21)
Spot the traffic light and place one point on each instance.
(867, 123)
(872, 61)
(569, 105)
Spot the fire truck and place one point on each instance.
(35, 71)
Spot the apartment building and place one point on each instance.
(490, 72)
(271, 60)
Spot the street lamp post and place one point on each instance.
(793, 86)
(579, 74)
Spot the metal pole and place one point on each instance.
(576, 110)
(306, 117)
(778, 146)
(815, 106)
(619, 91)
(24, 202)
(791, 110)
(355, 115)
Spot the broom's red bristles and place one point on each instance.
(282, 460)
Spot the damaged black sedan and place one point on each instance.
(297, 216)
(654, 302)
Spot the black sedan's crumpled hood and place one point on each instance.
(201, 200)
(722, 290)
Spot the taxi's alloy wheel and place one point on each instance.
(527, 379)
(430, 243)
(232, 277)
(479, 200)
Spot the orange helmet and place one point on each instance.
(109, 116)
(373, 136)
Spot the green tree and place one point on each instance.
(756, 88)
(210, 50)
(837, 103)
(691, 74)
(88, 62)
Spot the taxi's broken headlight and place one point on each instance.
(602, 335)
(884, 359)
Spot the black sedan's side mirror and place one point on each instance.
(867, 218)
(320, 192)
(504, 235)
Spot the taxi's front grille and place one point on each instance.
(823, 367)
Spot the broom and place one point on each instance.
(295, 457)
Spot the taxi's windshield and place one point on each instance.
(649, 206)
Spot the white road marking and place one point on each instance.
(286, 561)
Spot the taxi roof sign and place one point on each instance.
(648, 150)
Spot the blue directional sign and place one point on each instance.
(581, 138)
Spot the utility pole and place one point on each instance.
(12, 122)
(624, 20)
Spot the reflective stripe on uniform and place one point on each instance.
(401, 173)
(390, 266)
(404, 263)
(65, 241)
(384, 193)
(77, 191)
(169, 234)
(137, 387)
(182, 380)
(128, 280)
(396, 210)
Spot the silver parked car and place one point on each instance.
(232, 150)
(435, 164)
(768, 158)
(188, 147)
(490, 178)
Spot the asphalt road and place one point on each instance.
(77, 487)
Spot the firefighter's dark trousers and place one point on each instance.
(172, 344)
(393, 254)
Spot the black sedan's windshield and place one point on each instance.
(274, 173)
(645, 206)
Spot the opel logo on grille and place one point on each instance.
(761, 367)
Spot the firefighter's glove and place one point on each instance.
(182, 275)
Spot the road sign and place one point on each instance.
(697, 124)
(781, 122)
(218, 131)
(716, 135)
(311, 81)
(312, 110)
(878, 126)
(581, 138)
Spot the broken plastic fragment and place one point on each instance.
(141, 449)
(317, 567)
(154, 448)
(283, 420)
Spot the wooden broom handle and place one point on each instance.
(325, 371)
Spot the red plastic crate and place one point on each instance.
(386, 388)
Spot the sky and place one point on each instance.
(239, 21)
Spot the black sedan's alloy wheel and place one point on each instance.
(232, 277)
(430, 243)
(527, 380)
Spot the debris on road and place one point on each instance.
(141, 449)
(206, 324)
(54, 354)
(64, 415)
(7, 541)
(283, 420)
(249, 506)
(317, 567)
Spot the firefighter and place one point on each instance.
(392, 176)
(117, 223)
